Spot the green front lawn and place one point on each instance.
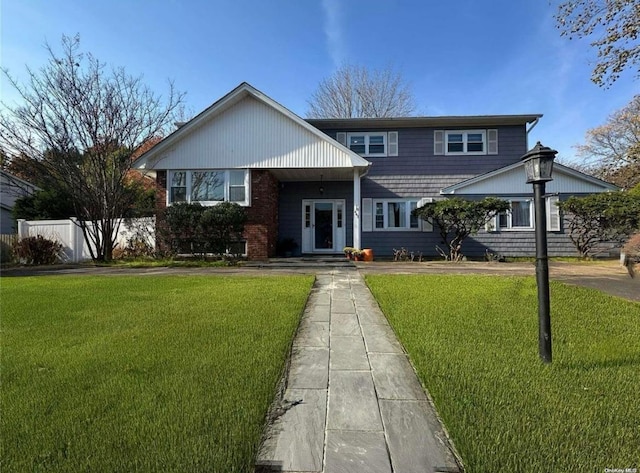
(145, 374)
(474, 343)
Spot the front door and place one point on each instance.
(323, 226)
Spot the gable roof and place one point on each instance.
(511, 180)
(247, 129)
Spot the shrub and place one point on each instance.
(192, 228)
(632, 248)
(598, 218)
(37, 250)
(6, 251)
(457, 218)
(631, 251)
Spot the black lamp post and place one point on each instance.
(538, 164)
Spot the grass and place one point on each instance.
(474, 343)
(139, 373)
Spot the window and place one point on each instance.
(238, 248)
(395, 214)
(522, 216)
(519, 217)
(237, 187)
(209, 187)
(469, 142)
(368, 144)
(178, 187)
(466, 142)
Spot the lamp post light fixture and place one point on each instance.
(538, 165)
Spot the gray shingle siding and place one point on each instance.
(416, 185)
(415, 173)
(415, 154)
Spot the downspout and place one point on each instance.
(357, 214)
(533, 125)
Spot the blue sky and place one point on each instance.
(467, 57)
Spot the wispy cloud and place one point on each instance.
(333, 31)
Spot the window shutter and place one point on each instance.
(427, 226)
(438, 142)
(393, 144)
(492, 224)
(341, 137)
(367, 215)
(553, 214)
(492, 141)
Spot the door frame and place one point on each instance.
(339, 225)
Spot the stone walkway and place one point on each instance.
(352, 401)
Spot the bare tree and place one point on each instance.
(83, 123)
(357, 92)
(615, 25)
(612, 150)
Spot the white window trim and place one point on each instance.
(492, 225)
(244, 254)
(209, 203)
(465, 134)
(386, 227)
(367, 135)
(511, 228)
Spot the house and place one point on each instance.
(330, 183)
(11, 189)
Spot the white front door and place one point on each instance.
(323, 226)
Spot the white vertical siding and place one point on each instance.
(514, 182)
(252, 135)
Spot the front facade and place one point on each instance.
(326, 184)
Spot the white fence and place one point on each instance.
(69, 234)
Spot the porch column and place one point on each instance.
(356, 208)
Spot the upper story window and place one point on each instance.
(368, 144)
(371, 143)
(465, 142)
(209, 187)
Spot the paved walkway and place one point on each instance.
(352, 402)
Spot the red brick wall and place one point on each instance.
(161, 205)
(261, 230)
(161, 189)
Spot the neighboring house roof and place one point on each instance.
(510, 180)
(432, 122)
(247, 129)
(12, 188)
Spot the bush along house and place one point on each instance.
(329, 183)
